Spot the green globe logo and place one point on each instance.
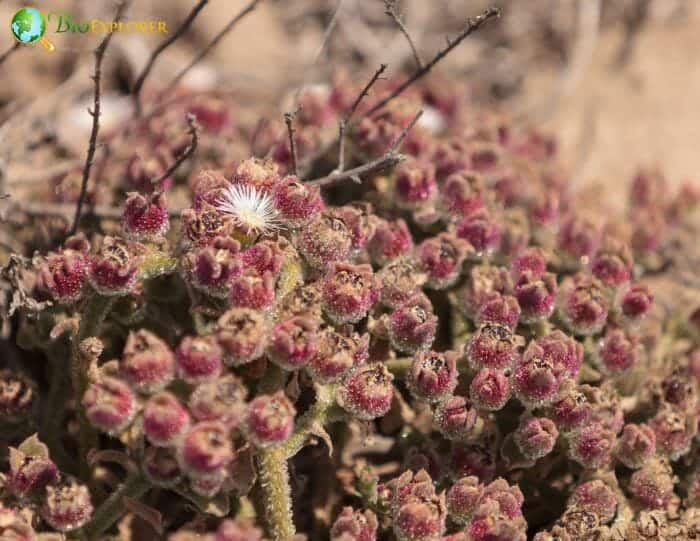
(28, 26)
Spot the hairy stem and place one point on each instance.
(273, 474)
(112, 508)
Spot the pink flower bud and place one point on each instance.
(337, 355)
(536, 379)
(456, 418)
(303, 301)
(67, 506)
(213, 113)
(349, 291)
(508, 497)
(205, 449)
(148, 363)
(252, 290)
(680, 390)
(409, 486)
(113, 270)
(500, 310)
(202, 225)
(462, 193)
(536, 295)
(652, 485)
(213, 267)
(451, 157)
(145, 217)
(484, 155)
(596, 497)
(636, 445)
(264, 256)
(468, 460)
(490, 524)
(109, 404)
(367, 392)
(413, 325)
(592, 446)
(390, 240)
(579, 237)
(562, 350)
(198, 359)
(432, 376)
(399, 280)
(210, 485)
(441, 259)
(239, 530)
(257, 172)
(31, 468)
(420, 519)
(63, 276)
(360, 221)
(571, 409)
(481, 230)
(490, 389)
(674, 431)
(414, 183)
(636, 302)
(582, 305)
(492, 346)
(242, 334)
(535, 436)
(222, 399)
(463, 498)
(352, 525)
(619, 351)
(324, 240)
(160, 466)
(14, 526)
(612, 265)
(165, 419)
(293, 343)
(296, 203)
(270, 419)
(18, 396)
(483, 283)
(532, 260)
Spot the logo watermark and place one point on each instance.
(29, 26)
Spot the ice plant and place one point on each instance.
(252, 209)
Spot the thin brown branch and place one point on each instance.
(209, 47)
(289, 121)
(184, 26)
(389, 159)
(96, 111)
(193, 130)
(392, 11)
(11, 50)
(342, 125)
(473, 24)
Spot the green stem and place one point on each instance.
(276, 493)
(95, 311)
(112, 508)
(273, 470)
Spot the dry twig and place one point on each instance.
(194, 134)
(392, 11)
(342, 125)
(473, 24)
(210, 46)
(11, 50)
(389, 159)
(95, 112)
(289, 121)
(136, 91)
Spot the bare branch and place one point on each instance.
(11, 50)
(344, 122)
(391, 158)
(289, 121)
(194, 134)
(136, 91)
(96, 111)
(392, 11)
(210, 46)
(473, 24)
